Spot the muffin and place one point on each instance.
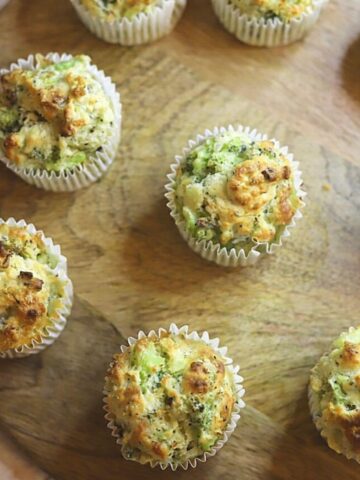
(172, 398)
(334, 395)
(59, 121)
(35, 292)
(130, 22)
(268, 23)
(233, 195)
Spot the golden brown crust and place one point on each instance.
(5, 254)
(55, 104)
(225, 408)
(335, 394)
(350, 356)
(27, 314)
(25, 288)
(169, 397)
(237, 191)
(348, 421)
(11, 147)
(249, 184)
(197, 379)
(252, 180)
(284, 211)
(159, 450)
(57, 114)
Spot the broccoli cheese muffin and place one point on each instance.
(171, 399)
(35, 292)
(335, 395)
(235, 191)
(118, 9)
(129, 22)
(56, 119)
(268, 22)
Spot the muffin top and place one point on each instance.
(171, 398)
(335, 385)
(236, 191)
(54, 117)
(284, 10)
(30, 290)
(118, 9)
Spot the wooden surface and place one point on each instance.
(132, 270)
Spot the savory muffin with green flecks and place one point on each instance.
(111, 10)
(335, 394)
(54, 117)
(171, 398)
(31, 290)
(236, 191)
(284, 10)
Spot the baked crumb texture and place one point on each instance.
(31, 292)
(335, 394)
(54, 117)
(236, 191)
(171, 398)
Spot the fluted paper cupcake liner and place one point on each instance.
(143, 28)
(265, 33)
(83, 175)
(315, 411)
(214, 251)
(239, 403)
(51, 332)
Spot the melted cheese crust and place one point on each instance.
(55, 116)
(171, 398)
(236, 192)
(335, 384)
(118, 9)
(285, 10)
(30, 291)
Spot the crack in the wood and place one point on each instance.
(87, 305)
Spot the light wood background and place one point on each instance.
(132, 270)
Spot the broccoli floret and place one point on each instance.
(9, 119)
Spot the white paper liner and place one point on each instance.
(265, 33)
(143, 28)
(239, 389)
(214, 251)
(53, 331)
(3, 3)
(315, 411)
(95, 167)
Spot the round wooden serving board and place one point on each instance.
(131, 270)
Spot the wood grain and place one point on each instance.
(132, 270)
(15, 465)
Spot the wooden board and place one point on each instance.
(132, 270)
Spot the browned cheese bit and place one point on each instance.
(5, 255)
(29, 281)
(269, 174)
